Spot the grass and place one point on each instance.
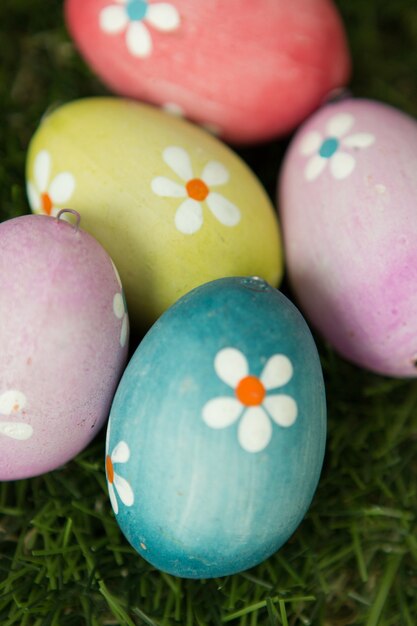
(353, 560)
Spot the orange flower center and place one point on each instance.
(197, 189)
(46, 203)
(109, 469)
(250, 391)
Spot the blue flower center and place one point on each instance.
(136, 10)
(328, 147)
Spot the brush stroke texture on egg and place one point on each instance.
(347, 199)
(173, 206)
(248, 69)
(63, 343)
(216, 435)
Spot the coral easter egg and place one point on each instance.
(172, 205)
(249, 69)
(347, 199)
(217, 431)
(63, 337)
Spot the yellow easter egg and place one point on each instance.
(173, 206)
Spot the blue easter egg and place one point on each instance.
(217, 431)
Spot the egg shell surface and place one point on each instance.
(217, 431)
(347, 198)
(248, 69)
(172, 205)
(62, 327)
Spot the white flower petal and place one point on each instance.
(61, 188)
(107, 437)
(173, 109)
(113, 19)
(359, 140)
(163, 16)
(225, 211)
(16, 430)
(124, 331)
(277, 371)
(167, 188)
(339, 124)
(282, 409)
(341, 165)
(33, 196)
(118, 306)
(255, 430)
(189, 217)
(221, 412)
(121, 453)
(124, 490)
(42, 170)
(12, 401)
(215, 173)
(231, 366)
(113, 499)
(116, 274)
(310, 143)
(314, 167)
(179, 161)
(214, 129)
(138, 40)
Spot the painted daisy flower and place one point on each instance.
(120, 309)
(12, 402)
(328, 149)
(251, 402)
(189, 215)
(130, 15)
(47, 196)
(117, 484)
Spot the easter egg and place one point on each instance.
(63, 337)
(172, 205)
(247, 69)
(347, 197)
(217, 431)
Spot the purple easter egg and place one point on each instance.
(348, 204)
(63, 337)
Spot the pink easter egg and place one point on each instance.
(63, 337)
(249, 70)
(348, 204)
